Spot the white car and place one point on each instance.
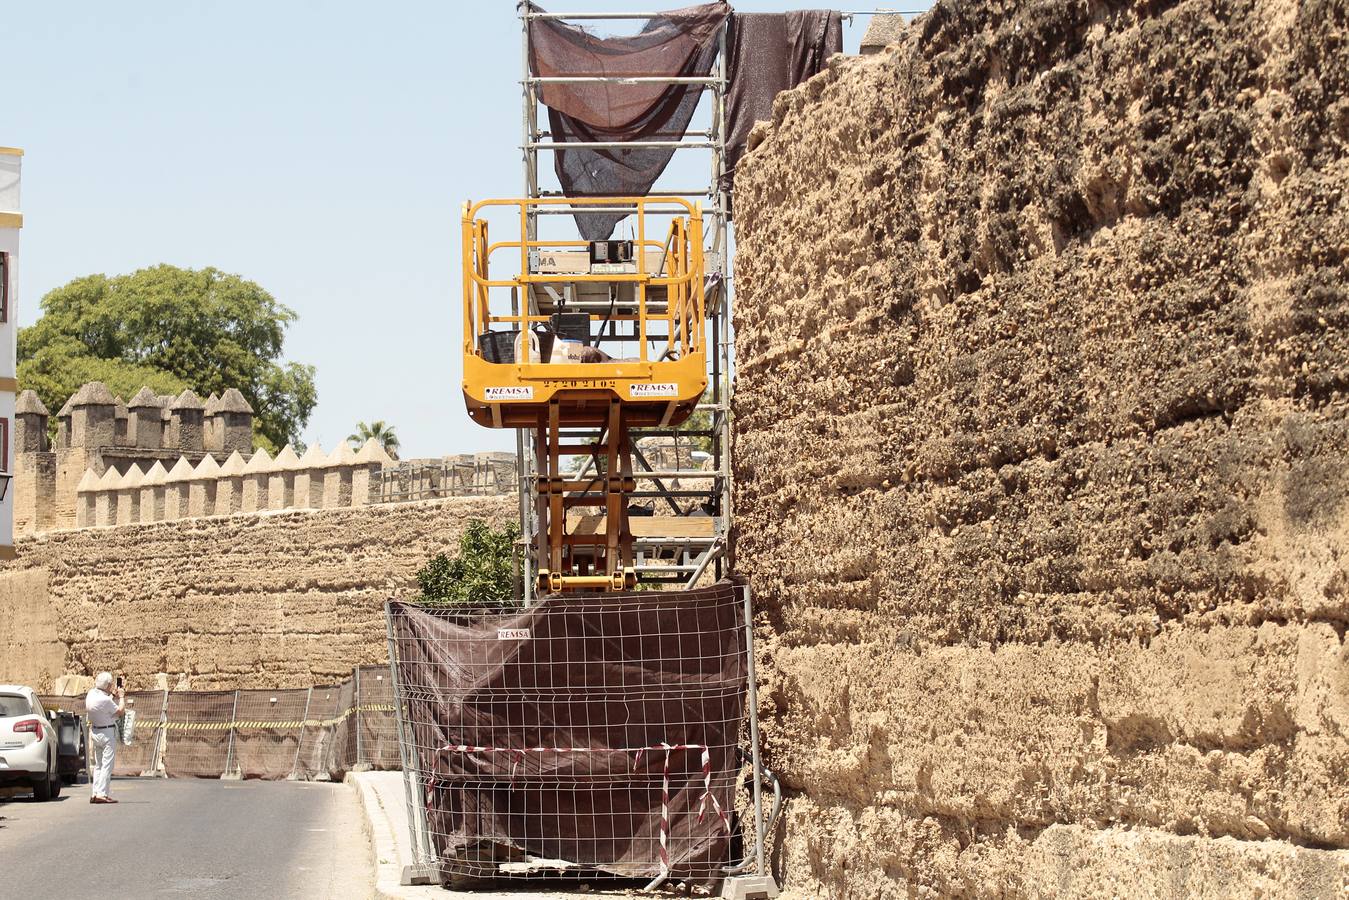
(27, 743)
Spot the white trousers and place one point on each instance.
(105, 749)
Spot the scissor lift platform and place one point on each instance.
(651, 300)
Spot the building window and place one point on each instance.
(4, 287)
(4, 446)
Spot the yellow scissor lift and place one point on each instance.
(650, 299)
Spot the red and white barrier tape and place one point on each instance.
(707, 799)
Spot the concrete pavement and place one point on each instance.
(191, 838)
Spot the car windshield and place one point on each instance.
(13, 705)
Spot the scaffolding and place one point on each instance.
(616, 708)
(686, 533)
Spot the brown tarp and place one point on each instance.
(341, 749)
(138, 757)
(197, 741)
(768, 53)
(323, 732)
(316, 736)
(682, 42)
(375, 719)
(267, 726)
(577, 707)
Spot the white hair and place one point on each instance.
(103, 681)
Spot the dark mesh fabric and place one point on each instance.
(682, 42)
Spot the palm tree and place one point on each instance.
(382, 433)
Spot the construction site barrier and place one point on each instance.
(314, 733)
(584, 734)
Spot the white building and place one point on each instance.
(11, 222)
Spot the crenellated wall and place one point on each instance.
(161, 458)
(99, 432)
(1041, 453)
(314, 480)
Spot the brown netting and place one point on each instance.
(316, 736)
(139, 757)
(267, 727)
(586, 732)
(341, 755)
(320, 732)
(377, 726)
(66, 702)
(679, 43)
(197, 736)
(768, 53)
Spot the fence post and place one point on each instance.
(754, 736)
(162, 739)
(422, 855)
(229, 752)
(299, 738)
(356, 717)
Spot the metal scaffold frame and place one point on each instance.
(660, 559)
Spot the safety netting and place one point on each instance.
(321, 732)
(676, 51)
(591, 734)
(681, 43)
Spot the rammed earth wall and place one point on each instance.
(283, 599)
(1042, 453)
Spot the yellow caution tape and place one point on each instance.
(297, 723)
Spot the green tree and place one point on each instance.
(483, 574)
(170, 328)
(382, 433)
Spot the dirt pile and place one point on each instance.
(266, 600)
(1043, 452)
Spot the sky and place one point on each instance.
(320, 149)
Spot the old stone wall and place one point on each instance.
(1042, 453)
(282, 599)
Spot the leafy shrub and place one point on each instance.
(483, 573)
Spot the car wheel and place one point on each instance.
(42, 788)
(56, 784)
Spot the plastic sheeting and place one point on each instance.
(597, 730)
(679, 43)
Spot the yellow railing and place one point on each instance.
(682, 251)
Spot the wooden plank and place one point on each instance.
(577, 262)
(648, 526)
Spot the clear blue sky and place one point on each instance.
(320, 149)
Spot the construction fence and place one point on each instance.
(584, 734)
(320, 733)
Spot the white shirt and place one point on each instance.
(102, 708)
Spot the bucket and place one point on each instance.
(498, 346)
(527, 348)
(545, 338)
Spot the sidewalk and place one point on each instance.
(383, 798)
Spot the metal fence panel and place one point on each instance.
(378, 727)
(590, 734)
(267, 727)
(198, 735)
(138, 757)
(311, 758)
(320, 732)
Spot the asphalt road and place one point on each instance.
(187, 838)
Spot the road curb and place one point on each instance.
(388, 868)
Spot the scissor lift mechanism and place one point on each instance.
(656, 299)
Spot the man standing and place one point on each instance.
(103, 711)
